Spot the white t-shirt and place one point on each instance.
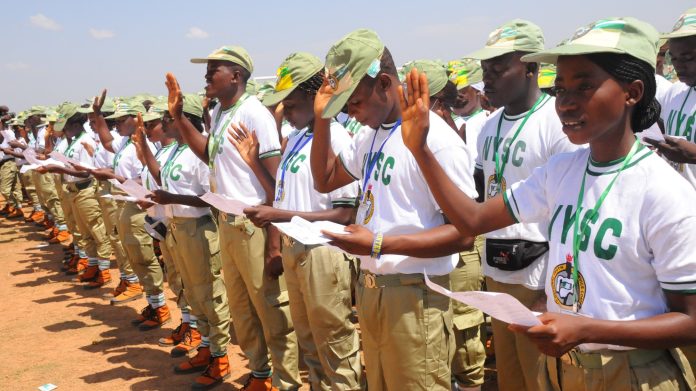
(639, 245)
(185, 174)
(157, 211)
(126, 163)
(38, 142)
(77, 151)
(399, 200)
(8, 135)
(541, 138)
(102, 157)
(230, 175)
(474, 125)
(298, 188)
(679, 116)
(663, 87)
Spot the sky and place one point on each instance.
(69, 50)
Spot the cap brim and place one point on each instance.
(151, 117)
(85, 110)
(276, 97)
(116, 115)
(199, 60)
(678, 34)
(60, 124)
(488, 53)
(551, 55)
(337, 102)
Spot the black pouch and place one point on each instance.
(513, 254)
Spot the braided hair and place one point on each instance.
(628, 69)
(312, 85)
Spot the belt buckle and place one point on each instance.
(370, 281)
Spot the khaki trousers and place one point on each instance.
(406, 332)
(195, 248)
(470, 354)
(635, 370)
(318, 281)
(66, 203)
(517, 359)
(28, 182)
(88, 216)
(10, 186)
(46, 189)
(138, 246)
(110, 214)
(258, 303)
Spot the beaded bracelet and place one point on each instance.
(377, 246)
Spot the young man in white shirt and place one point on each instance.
(406, 328)
(251, 258)
(10, 186)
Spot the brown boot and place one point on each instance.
(145, 314)
(132, 292)
(176, 336)
(196, 364)
(90, 274)
(38, 216)
(103, 276)
(120, 288)
(71, 263)
(51, 233)
(159, 317)
(79, 268)
(191, 341)
(259, 384)
(217, 371)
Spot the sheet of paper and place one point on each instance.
(309, 233)
(133, 188)
(498, 305)
(30, 155)
(27, 167)
(653, 133)
(118, 197)
(64, 159)
(225, 204)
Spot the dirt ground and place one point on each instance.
(56, 332)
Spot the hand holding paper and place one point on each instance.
(224, 204)
(309, 233)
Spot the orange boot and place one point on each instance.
(14, 213)
(159, 317)
(217, 371)
(61, 237)
(71, 263)
(132, 291)
(103, 276)
(90, 274)
(198, 363)
(79, 268)
(176, 336)
(145, 314)
(190, 342)
(259, 384)
(120, 288)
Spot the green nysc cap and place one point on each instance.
(156, 111)
(127, 107)
(685, 26)
(349, 60)
(234, 54)
(296, 69)
(515, 36)
(66, 111)
(37, 110)
(109, 106)
(465, 72)
(435, 72)
(611, 35)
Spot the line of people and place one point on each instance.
(485, 166)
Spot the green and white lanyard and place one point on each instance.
(69, 149)
(117, 156)
(168, 165)
(165, 148)
(216, 137)
(588, 217)
(500, 167)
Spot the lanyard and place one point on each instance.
(500, 169)
(467, 117)
(588, 216)
(148, 184)
(117, 156)
(372, 160)
(216, 140)
(170, 162)
(296, 148)
(681, 110)
(72, 144)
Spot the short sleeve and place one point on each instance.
(349, 156)
(456, 163)
(203, 175)
(262, 122)
(348, 194)
(527, 200)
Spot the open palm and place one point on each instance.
(414, 104)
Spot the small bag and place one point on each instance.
(513, 254)
(155, 228)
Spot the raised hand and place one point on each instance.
(322, 98)
(176, 98)
(415, 120)
(245, 141)
(139, 138)
(99, 102)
